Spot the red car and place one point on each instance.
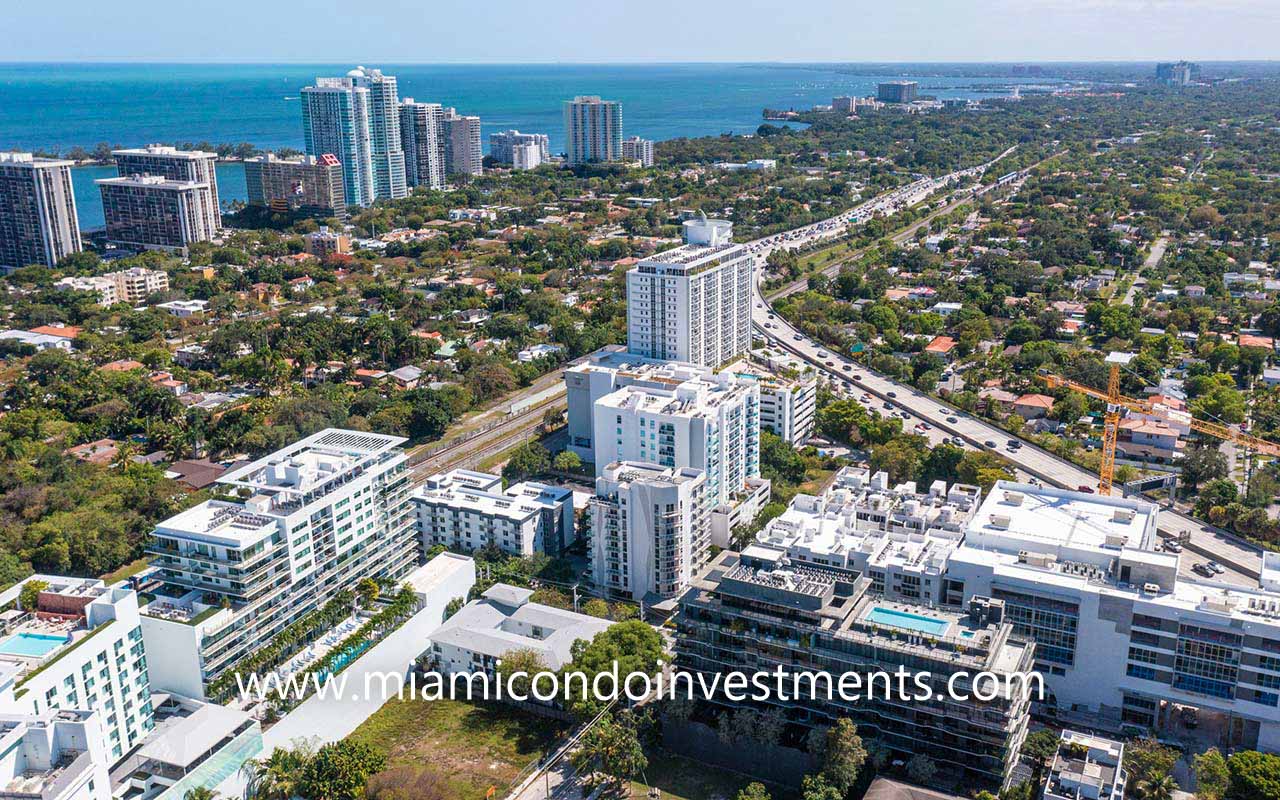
(1083, 488)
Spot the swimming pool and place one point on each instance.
(912, 622)
(31, 644)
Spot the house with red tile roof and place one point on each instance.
(1033, 406)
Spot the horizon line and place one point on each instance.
(569, 62)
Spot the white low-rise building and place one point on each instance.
(184, 308)
(1086, 767)
(468, 510)
(39, 341)
(504, 620)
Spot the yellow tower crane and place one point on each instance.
(1117, 402)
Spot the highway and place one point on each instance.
(1242, 561)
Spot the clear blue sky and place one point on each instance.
(434, 31)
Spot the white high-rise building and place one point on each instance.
(318, 517)
(335, 119)
(650, 533)
(692, 303)
(131, 285)
(79, 647)
(422, 134)
(592, 130)
(682, 415)
(526, 156)
(502, 144)
(463, 152)
(194, 166)
(636, 149)
(38, 222)
(357, 119)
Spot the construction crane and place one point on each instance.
(1117, 402)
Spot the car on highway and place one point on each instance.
(1201, 568)
(796, 338)
(823, 354)
(891, 394)
(830, 363)
(1014, 444)
(1084, 487)
(952, 420)
(847, 367)
(857, 377)
(957, 441)
(1215, 567)
(1173, 546)
(888, 405)
(990, 443)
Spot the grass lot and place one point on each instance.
(475, 746)
(683, 779)
(127, 571)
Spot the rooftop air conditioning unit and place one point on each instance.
(1013, 498)
(1000, 521)
(1122, 515)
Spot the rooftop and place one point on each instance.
(504, 619)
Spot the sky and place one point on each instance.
(617, 31)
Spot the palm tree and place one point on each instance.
(276, 777)
(200, 793)
(1161, 788)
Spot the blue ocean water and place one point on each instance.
(46, 106)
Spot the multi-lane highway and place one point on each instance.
(1241, 559)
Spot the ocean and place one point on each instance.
(48, 106)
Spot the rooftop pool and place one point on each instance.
(912, 622)
(36, 645)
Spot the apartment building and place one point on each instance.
(1070, 568)
(650, 529)
(38, 221)
(592, 130)
(527, 156)
(131, 285)
(422, 136)
(898, 91)
(311, 185)
(757, 611)
(309, 520)
(357, 119)
(151, 212)
(335, 120)
(324, 242)
(681, 415)
(692, 303)
(463, 152)
(57, 755)
(503, 143)
(468, 510)
(636, 149)
(80, 648)
(185, 166)
(788, 402)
